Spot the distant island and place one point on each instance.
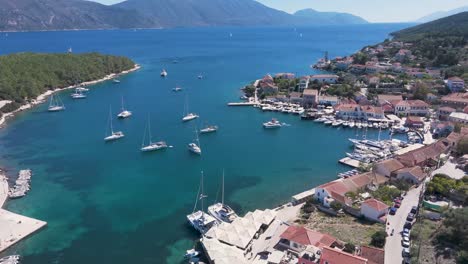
(37, 15)
(25, 76)
(441, 14)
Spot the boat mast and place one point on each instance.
(222, 193)
(110, 118)
(123, 108)
(202, 196)
(149, 130)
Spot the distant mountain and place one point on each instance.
(330, 18)
(441, 14)
(19, 15)
(190, 13)
(456, 25)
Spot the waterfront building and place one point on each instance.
(298, 238)
(295, 98)
(324, 78)
(328, 100)
(427, 154)
(414, 122)
(456, 84)
(412, 107)
(414, 175)
(310, 97)
(361, 112)
(458, 117)
(388, 167)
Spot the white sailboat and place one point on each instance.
(200, 220)
(195, 146)
(55, 104)
(124, 113)
(151, 146)
(188, 116)
(221, 211)
(114, 135)
(78, 94)
(209, 129)
(81, 89)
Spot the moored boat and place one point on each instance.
(273, 123)
(151, 146)
(114, 135)
(55, 104)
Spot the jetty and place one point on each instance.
(22, 185)
(14, 227)
(350, 162)
(250, 102)
(13, 259)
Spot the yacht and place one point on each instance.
(200, 76)
(151, 146)
(124, 113)
(345, 124)
(329, 121)
(201, 221)
(221, 211)
(352, 124)
(116, 81)
(191, 253)
(337, 123)
(177, 89)
(187, 115)
(114, 135)
(78, 95)
(320, 120)
(358, 125)
(273, 123)
(208, 129)
(195, 147)
(163, 73)
(55, 104)
(12, 259)
(81, 89)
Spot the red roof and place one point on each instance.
(375, 204)
(455, 79)
(305, 236)
(334, 256)
(373, 255)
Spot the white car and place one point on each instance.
(405, 244)
(406, 232)
(405, 239)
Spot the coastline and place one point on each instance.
(42, 97)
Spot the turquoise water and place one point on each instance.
(109, 203)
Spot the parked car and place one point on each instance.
(414, 210)
(410, 217)
(405, 244)
(392, 211)
(406, 261)
(405, 239)
(397, 205)
(408, 225)
(405, 252)
(406, 232)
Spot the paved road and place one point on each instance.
(393, 246)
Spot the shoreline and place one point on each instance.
(42, 97)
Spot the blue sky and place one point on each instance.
(372, 10)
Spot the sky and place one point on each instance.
(371, 10)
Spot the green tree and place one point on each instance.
(336, 206)
(350, 248)
(378, 239)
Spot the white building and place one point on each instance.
(458, 117)
(324, 78)
(304, 83)
(455, 84)
(412, 107)
(373, 209)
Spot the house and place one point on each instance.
(343, 63)
(310, 97)
(285, 76)
(267, 85)
(357, 68)
(373, 112)
(455, 100)
(389, 99)
(412, 107)
(373, 255)
(388, 167)
(304, 83)
(431, 97)
(402, 55)
(328, 100)
(422, 156)
(295, 97)
(324, 78)
(298, 238)
(374, 210)
(348, 111)
(441, 129)
(414, 175)
(456, 84)
(414, 122)
(458, 117)
(335, 256)
(444, 112)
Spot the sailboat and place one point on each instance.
(200, 220)
(113, 135)
(221, 211)
(125, 113)
(188, 116)
(151, 146)
(55, 104)
(78, 94)
(195, 147)
(209, 129)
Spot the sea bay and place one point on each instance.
(109, 203)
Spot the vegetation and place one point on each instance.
(336, 206)
(445, 186)
(453, 234)
(386, 194)
(342, 90)
(249, 90)
(26, 75)
(349, 247)
(462, 147)
(378, 239)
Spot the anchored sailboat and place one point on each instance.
(113, 135)
(55, 104)
(195, 147)
(221, 211)
(188, 116)
(200, 220)
(125, 113)
(78, 94)
(151, 146)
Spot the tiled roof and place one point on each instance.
(375, 204)
(324, 76)
(456, 97)
(310, 92)
(413, 103)
(447, 109)
(391, 165)
(455, 79)
(420, 155)
(334, 256)
(373, 255)
(305, 236)
(415, 171)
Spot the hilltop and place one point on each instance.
(330, 18)
(441, 14)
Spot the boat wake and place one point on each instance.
(285, 124)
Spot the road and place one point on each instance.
(393, 246)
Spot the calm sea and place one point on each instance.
(109, 203)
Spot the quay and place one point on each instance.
(350, 162)
(14, 227)
(242, 104)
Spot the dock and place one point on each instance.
(350, 162)
(14, 227)
(242, 104)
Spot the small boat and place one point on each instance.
(124, 113)
(337, 123)
(78, 95)
(12, 259)
(81, 89)
(201, 221)
(359, 125)
(352, 124)
(200, 76)
(320, 120)
(151, 146)
(194, 147)
(163, 73)
(328, 121)
(116, 81)
(345, 124)
(191, 253)
(114, 135)
(221, 211)
(177, 89)
(208, 129)
(187, 115)
(55, 104)
(273, 123)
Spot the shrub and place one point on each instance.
(378, 239)
(349, 247)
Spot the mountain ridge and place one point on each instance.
(441, 14)
(330, 17)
